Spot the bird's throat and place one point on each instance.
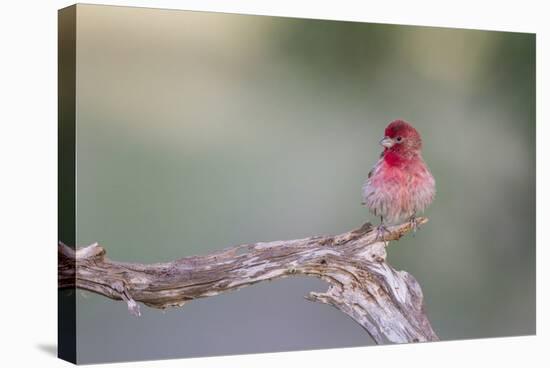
(399, 159)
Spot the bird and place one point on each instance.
(400, 185)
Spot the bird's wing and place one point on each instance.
(371, 172)
(367, 183)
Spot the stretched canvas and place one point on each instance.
(233, 184)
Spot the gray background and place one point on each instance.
(198, 131)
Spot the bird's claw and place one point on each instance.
(381, 230)
(414, 224)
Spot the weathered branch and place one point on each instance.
(386, 302)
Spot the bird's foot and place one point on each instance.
(414, 224)
(381, 230)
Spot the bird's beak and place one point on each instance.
(387, 142)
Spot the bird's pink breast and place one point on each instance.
(398, 189)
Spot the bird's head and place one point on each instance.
(401, 141)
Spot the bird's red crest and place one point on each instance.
(401, 128)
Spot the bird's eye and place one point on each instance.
(399, 139)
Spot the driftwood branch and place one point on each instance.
(386, 302)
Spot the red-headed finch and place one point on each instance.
(400, 185)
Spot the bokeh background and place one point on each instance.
(198, 131)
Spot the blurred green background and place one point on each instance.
(198, 131)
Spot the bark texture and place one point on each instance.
(387, 303)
